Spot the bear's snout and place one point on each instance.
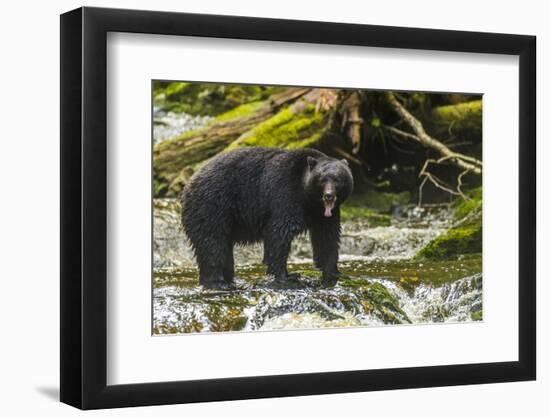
(329, 197)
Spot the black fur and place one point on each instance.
(264, 194)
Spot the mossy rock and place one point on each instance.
(473, 202)
(192, 326)
(377, 300)
(226, 319)
(477, 315)
(453, 243)
(387, 306)
(465, 237)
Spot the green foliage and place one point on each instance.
(203, 99)
(159, 187)
(288, 129)
(418, 98)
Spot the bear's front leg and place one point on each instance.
(276, 256)
(277, 240)
(325, 242)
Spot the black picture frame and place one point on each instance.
(84, 207)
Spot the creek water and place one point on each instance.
(381, 283)
(168, 124)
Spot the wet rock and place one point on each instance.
(465, 236)
(183, 307)
(170, 248)
(381, 283)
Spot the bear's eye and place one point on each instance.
(332, 178)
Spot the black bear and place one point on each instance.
(265, 194)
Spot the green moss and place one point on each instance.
(348, 212)
(467, 235)
(176, 140)
(192, 326)
(461, 116)
(174, 89)
(348, 282)
(410, 273)
(376, 299)
(477, 315)
(225, 319)
(380, 201)
(454, 242)
(287, 129)
(386, 305)
(241, 111)
(373, 206)
(464, 207)
(207, 99)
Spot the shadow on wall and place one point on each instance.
(50, 392)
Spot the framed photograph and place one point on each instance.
(257, 208)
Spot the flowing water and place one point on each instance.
(381, 284)
(169, 124)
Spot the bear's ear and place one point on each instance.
(345, 161)
(311, 162)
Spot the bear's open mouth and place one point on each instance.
(329, 205)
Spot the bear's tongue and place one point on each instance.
(328, 208)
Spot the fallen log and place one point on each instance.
(172, 156)
(465, 117)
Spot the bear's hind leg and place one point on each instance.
(277, 241)
(229, 265)
(211, 264)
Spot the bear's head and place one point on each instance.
(328, 183)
